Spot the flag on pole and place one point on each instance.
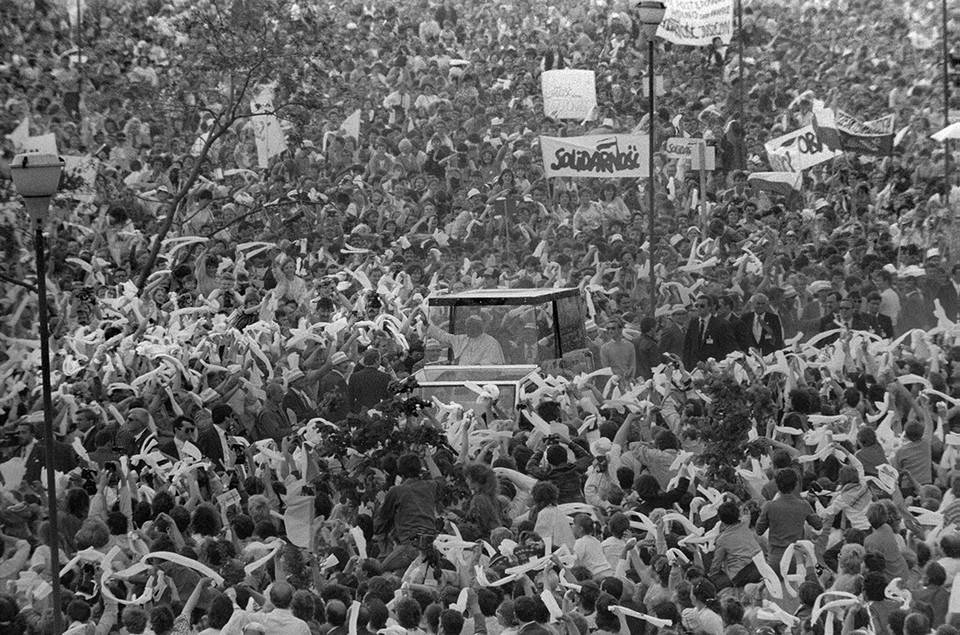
(782, 183)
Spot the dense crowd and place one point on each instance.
(770, 445)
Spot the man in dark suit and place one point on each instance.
(949, 294)
(877, 322)
(136, 438)
(760, 328)
(525, 609)
(33, 451)
(707, 335)
(183, 443)
(212, 436)
(831, 306)
(368, 385)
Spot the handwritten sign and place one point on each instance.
(684, 148)
(595, 156)
(569, 94)
(798, 150)
(697, 22)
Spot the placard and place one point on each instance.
(569, 94)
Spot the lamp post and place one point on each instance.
(36, 178)
(651, 14)
(946, 106)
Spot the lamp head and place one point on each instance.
(36, 177)
(650, 13)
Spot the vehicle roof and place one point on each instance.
(502, 296)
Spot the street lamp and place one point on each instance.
(650, 14)
(37, 177)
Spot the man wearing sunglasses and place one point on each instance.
(707, 335)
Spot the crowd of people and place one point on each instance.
(238, 449)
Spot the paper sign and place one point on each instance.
(569, 94)
(798, 150)
(595, 156)
(697, 22)
(298, 519)
(228, 498)
(266, 127)
(360, 540)
(13, 471)
(683, 148)
(44, 144)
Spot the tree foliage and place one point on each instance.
(225, 52)
(735, 408)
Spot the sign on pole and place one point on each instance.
(596, 156)
(798, 150)
(697, 22)
(569, 94)
(685, 148)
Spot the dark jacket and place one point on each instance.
(409, 510)
(880, 324)
(717, 342)
(367, 387)
(567, 477)
(64, 460)
(648, 355)
(208, 442)
(771, 337)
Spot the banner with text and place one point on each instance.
(798, 150)
(569, 94)
(697, 22)
(839, 130)
(596, 156)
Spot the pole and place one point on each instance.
(79, 61)
(651, 199)
(48, 424)
(946, 107)
(740, 99)
(703, 181)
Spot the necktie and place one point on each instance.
(757, 327)
(703, 332)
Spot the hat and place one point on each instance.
(790, 292)
(819, 204)
(933, 252)
(600, 446)
(912, 271)
(338, 358)
(819, 285)
(473, 192)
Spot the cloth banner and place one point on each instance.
(839, 130)
(596, 156)
(569, 94)
(270, 138)
(782, 183)
(697, 22)
(798, 150)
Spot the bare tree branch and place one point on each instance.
(19, 283)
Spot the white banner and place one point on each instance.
(798, 150)
(270, 138)
(569, 94)
(697, 22)
(596, 156)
